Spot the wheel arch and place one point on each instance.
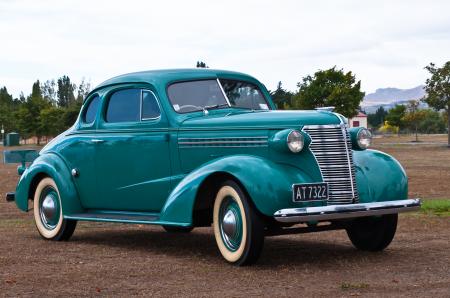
(267, 184)
(52, 166)
(204, 199)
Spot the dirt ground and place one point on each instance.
(138, 260)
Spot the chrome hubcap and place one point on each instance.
(49, 208)
(229, 223)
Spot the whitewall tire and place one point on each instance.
(238, 229)
(48, 215)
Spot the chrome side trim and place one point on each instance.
(223, 142)
(324, 213)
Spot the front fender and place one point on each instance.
(379, 177)
(51, 165)
(269, 185)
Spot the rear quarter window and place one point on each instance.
(91, 111)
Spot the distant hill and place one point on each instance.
(391, 95)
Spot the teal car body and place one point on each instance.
(162, 170)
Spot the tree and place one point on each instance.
(82, 91)
(395, 116)
(48, 91)
(281, 97)
(413, 116)
(65, 92)
(433, 122)
(51, 121)
(377, 119)
(438, 90)
(29, 114)
(201, 64)
(7, 107)
(329, 87)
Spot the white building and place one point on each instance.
(359, 120)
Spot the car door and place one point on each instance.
(78, 150)
(132, 152)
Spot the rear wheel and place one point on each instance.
(373, 233)
(238, 228)
(48, 212)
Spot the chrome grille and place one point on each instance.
(331, 145)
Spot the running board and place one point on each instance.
(124, 217)
(114, 217)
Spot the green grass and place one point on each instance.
(439, 207)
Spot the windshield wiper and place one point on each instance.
(212, 107)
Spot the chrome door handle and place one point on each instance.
(97, 141)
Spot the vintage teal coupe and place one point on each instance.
(199, 147)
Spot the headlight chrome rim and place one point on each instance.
(295, 141)
(364, 138)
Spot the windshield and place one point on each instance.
(193, 96)
(244, 95)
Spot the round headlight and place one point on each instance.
(364, 138)
(295, 141)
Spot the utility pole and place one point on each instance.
(3, 135)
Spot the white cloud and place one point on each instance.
(385, 43)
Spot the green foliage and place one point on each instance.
(50, 120)
(201, 64)
(433, 122)
(377, 119)
(395, 116)
(47, 111)
(329, 87)
(7, 108)
(437, 207)
(65, 93)
(281, 97)
(28, 115)
(413, 117)
(438, 90)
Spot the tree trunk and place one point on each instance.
(417, 137)
(448, 119)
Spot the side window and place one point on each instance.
(150, 107)
(91, 110)
(124, 106)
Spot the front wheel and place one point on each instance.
(48, 215)
(373, 233)
(238, 228)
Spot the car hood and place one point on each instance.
(262, 119)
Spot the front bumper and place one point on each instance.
(325, 213)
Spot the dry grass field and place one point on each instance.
(138, 260)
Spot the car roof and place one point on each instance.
(164, 76)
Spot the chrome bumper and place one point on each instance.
(322, 213)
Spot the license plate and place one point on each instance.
(310, 192)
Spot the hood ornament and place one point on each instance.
(327, 109)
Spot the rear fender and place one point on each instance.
(53, 166)
(268, 184)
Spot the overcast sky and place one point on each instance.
(385, 43)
